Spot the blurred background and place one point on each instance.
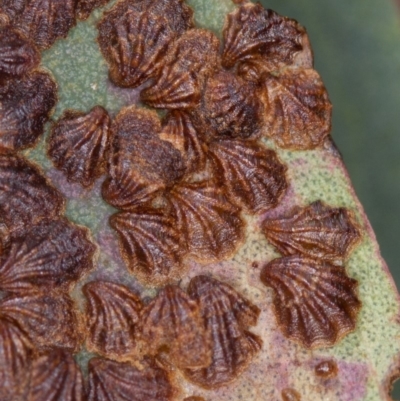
(357, 52)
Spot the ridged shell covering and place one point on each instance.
(15, 360)
(55, 376)
(252, 32)
(18, 55)
(109, 380)
(315, 303)
(141, 164)
(173, 321)
(112, 315)
(179, 85)
(26, 196)
(135, 37)
(49, 319)
(53, 253)
(43, 21)
(78, 144)
(178, 129)
(253, 174)
(25, 107)
(151, 245)
(206, 220)
(317, 231)
(227, 315)
(298, 113)
(230, 107)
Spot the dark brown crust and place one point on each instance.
(151, 245)
(298, 110)
(253, 174)
(44, 22)
(207, 222)
(252, 32)
(112, 316)
(49, 319)
(25, 107)
(15, 360)
(172, 322)
(26, 196)
(18, 55)
(55, 376)
(78, 144)
(317, 231)
(315, 303)
(50, 254)
(227, 315)
(141, 164)
(122, 381)
(193, 57)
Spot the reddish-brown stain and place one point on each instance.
(290, 394)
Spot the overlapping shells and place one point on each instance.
(182, 186)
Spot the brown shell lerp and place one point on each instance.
(123, 381)
(172, 323)
(25, 107)
(141, 164)
(150, 244)
(317, 231)
(253, 175)
(78, 144)
(112, 316)
(51, 254)
(227, 315)
(55, 376)
(316, 303)
(43, 21)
